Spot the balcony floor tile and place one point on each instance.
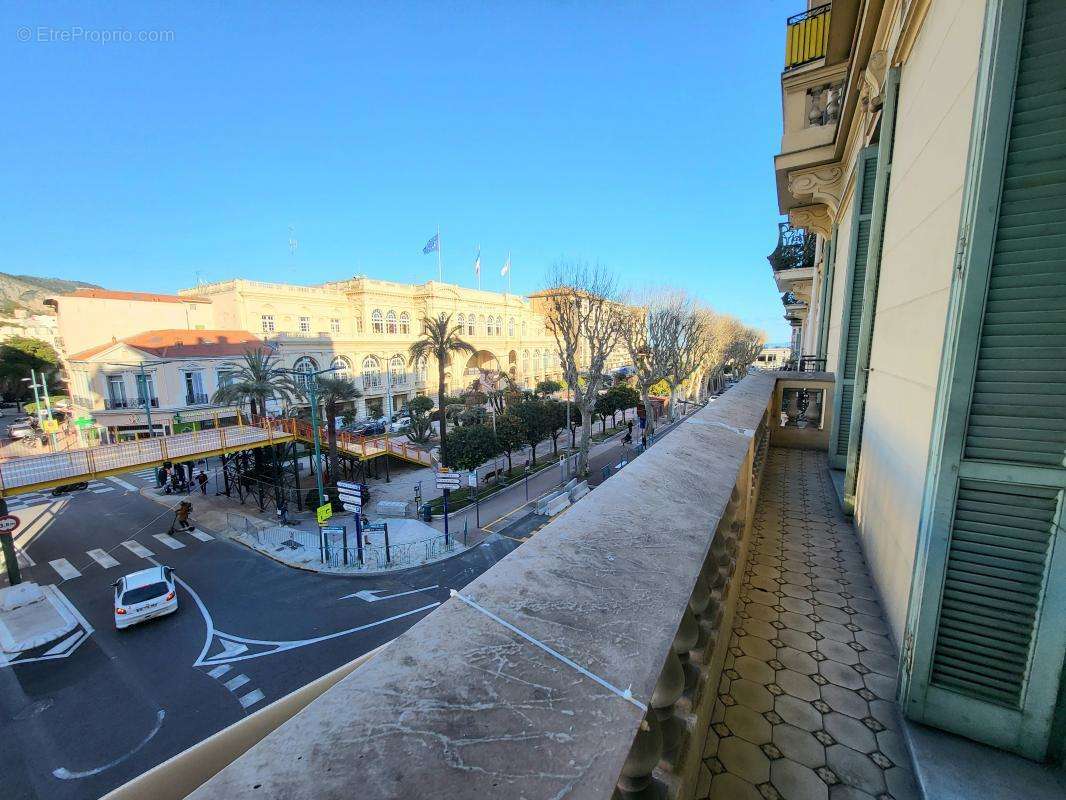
(814, 648)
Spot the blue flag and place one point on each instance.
(433, 245)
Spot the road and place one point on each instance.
(84, 715)
(112, 704)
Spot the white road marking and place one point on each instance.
(370, 595)
(65, 774)
(219, 671)
(203, 537)
(232, 649)
(102, 558)
(138, 549)
(250, 699)
(169, 541)
(101, 491)
(24, 558)
(65, 569)
(233, 684)
(129, 487)
(66, 644)
(7, 659)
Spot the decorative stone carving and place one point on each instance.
(815, 219)
(823, 184)
(823, 104)
(873, 80)
(667, 692)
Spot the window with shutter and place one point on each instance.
(986, 634)
(854, 290)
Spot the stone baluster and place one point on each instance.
(687, 639)
(636, 780)
(667, 692)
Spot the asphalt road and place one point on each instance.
(248, 631)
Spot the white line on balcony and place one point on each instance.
(625, 694)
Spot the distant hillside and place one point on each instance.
(30, 291)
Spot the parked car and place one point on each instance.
(400, 425)
(144, 595)
(22, 431)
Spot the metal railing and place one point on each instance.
(113, 403)
(22, 474)
(194, 399)
(807, 36)
(364, 446)
(795, 249)
(153, 402)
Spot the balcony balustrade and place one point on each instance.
(795, 249)
(807, 36)
(196, 399)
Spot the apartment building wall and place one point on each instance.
(933, 121)
(94, 317)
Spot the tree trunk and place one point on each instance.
(509, 467)
(649, 413)
(331, 439)
(532, 454)
(586, 441)
(440, 408)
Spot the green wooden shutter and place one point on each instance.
(988, 639)
(854, 291)
(827, 294)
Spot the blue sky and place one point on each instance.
(640, 135)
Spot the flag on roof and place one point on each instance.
(433, 245)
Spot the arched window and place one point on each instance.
(536, 360)
(405, 323)
(397, 371)
(377, 324)
(390, 322)
(510, 327)
(499, 326)
(523, 329)
(420, 369)
(371, 373)
(304, 366)
(525, 362)
(462, 323)
(545, 358)
(342, 366)
(470, 321)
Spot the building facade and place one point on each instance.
(923, 262)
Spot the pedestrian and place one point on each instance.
(161, 477)
(202, 480)
(181, 517)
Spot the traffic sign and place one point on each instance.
(323, 513)
(50, 426)
(471, 479)
(8, 523)
(84, 422)
(350, 498)
(449, 480)
(351, 507)
(348, 486)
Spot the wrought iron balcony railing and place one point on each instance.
(152, 402)
(194, 399)
(112, 403)
(807, 36)
(795, 249)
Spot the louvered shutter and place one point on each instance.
(853, 295)
(997, 653)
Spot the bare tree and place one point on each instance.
(684, 343)
(730, 343)
(584, 314)
(644, 329)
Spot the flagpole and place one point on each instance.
(508, 272)
(440, 266)
(479, 268)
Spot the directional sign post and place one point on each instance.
(472, 481)
(351, 497)
(446, 481)
(333, 530)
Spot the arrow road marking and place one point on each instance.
(371, 595)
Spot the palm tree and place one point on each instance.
(440, 339)
(257, 379)
(332, 391)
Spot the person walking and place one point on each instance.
(202, 480)
(181, 517)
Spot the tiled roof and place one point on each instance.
(145, 297)
(180, 343)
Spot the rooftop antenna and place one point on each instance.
(199, 278)
(293, 244)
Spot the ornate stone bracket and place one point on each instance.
(815, 219)
(873, 80)
(824, 184)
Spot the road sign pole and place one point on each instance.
(446, 493)
(7, 543)
(344, 542)
(388, 555)
(359, 534)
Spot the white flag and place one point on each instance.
(477, 262)
(506, 267)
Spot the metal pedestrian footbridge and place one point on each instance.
(33, 473)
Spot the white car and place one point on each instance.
(22, 431)
(144, 595)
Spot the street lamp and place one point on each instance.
(310, 380)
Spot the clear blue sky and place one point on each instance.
(637, 134)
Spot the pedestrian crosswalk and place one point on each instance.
(30, 499)
(236, 684)
(128, 554)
